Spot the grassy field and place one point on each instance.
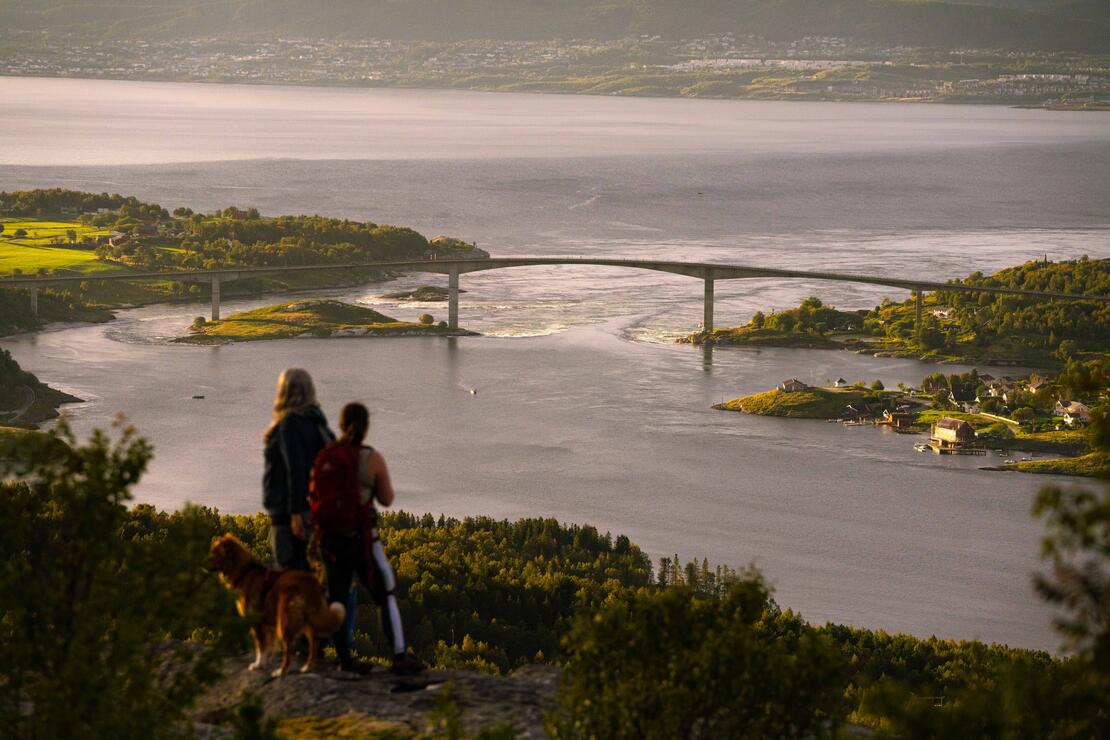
(308, 318)
(39, 249)
(41, 233)
(811, 403)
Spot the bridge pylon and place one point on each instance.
(453, 298)
(707, 310)
(215, 299)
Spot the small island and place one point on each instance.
(423, 294)
(312, 318)
(795, 400)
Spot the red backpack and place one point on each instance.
(334, 491)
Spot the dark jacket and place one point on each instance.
(289, 455)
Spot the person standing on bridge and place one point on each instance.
(295, 436)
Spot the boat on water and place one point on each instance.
(921, 447)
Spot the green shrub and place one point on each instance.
(97, 602)
(666, 664)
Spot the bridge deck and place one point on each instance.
(706, 271)
(703, 270)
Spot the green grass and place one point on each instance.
(978, 423)
(1063, 442)
(1091, 465)
(811, 403)
(29, 259)
(318, 318)
(44, 232)
(37, 250)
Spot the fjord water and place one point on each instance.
(583, 409)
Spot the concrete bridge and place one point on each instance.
(707, 272)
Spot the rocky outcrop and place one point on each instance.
(519, 699)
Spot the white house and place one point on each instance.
(792, 385)
(1074, 413)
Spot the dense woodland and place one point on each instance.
(981, 318)
(56, 201)
(961, 325)
(230, 237)
(22, 392)
(98, 597)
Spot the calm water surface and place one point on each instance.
(584, 411)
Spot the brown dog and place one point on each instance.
(282, 604)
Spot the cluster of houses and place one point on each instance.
(1029, 84)
(950, 435)
(793, 385)
(1073, 413)
(119, 238)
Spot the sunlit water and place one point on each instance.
(583, 408)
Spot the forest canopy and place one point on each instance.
(673, 650)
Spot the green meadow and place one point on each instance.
(811, 403)
(47, 245)
(1091, 465)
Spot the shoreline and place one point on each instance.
(338, 84)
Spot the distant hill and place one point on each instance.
(1039, 24)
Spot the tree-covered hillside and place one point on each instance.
(24, 399)
(1079, 26)
(100, 600)
(957, 325)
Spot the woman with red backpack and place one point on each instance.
(348, 477)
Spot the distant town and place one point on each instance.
(715, 66)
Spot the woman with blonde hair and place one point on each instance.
(296, 434)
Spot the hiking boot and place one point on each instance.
(407, 664)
